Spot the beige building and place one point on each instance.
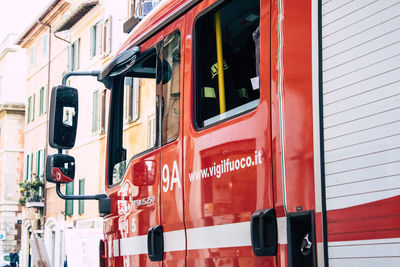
(68, 36)
(46, 62)
(12, 110)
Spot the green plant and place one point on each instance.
(31, 191)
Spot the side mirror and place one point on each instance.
(63, 117)
(60, 168)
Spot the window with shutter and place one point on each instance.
(95, 112)
(69, 204)
(131, 101)
(32, 56)
(106, 37)
(103, 111)
(73, 56)
(27, 168)
(42, 100)
(29, 109)
(45, 44)
(81, 208)
(96, 39)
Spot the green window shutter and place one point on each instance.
(41, 172)
(30, 166)
(29, 109)
(27, 167)
(81, 192)
(38, 170)
(69, 204)
(41, 100)
(95, 112)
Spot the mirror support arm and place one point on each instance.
(79, 73)
(82, 197)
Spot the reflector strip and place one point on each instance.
(219, 236)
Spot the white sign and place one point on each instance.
(3, 235)
(68, 116)
(82, 246)
(39, 253)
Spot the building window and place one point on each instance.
(81, 208)
(69, 204)
(43, 100)
(29, 164)
(40, 164)
(100, 38)
(32, 56)
(45, 44)
(73, 56)
(131, 8)
(106, 37)
(237, 59)
(31, 108)
(98, 111)
(131, 99)
(95, 39)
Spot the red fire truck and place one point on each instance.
(267, 135)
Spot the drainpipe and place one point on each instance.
(47, 106)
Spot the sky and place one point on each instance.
(17, 15)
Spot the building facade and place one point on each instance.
(71, 36)
(12, 111)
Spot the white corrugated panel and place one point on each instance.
(361, 115)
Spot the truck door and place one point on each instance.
(227, 145)
(133, 163)
(146, 154)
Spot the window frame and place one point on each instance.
(116, 125)
(132, 102)
(45, 44)
(99, 115)
(96, 33)
(106, 37)
(31, 108)
(73, 55)
(32, 53)
(195, 72)
(42, 100)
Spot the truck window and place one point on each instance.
(171, 54)
(139, 91)
(226, 37)
(137, 94)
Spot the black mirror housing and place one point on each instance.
(63, 119)
(60, 168)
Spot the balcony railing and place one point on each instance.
(31, 193)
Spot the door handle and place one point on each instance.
(155, 243)
(264, 232)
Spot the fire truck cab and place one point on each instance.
(214, 139)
